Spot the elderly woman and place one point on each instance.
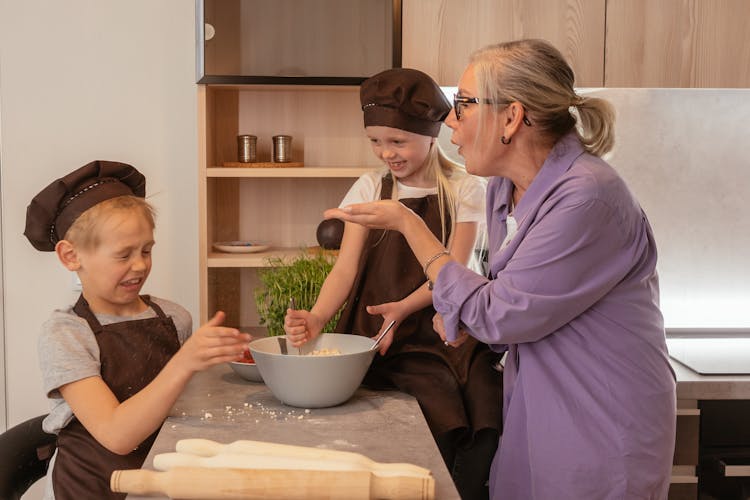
(572, 292)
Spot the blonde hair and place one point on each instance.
(535, 74)
(441, 168)
(85, 233)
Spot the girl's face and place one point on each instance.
(404, 153)
(113, 273)
(473, 133)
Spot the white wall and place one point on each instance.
(83, 80)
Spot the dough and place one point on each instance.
(167, 461)
(277, 456)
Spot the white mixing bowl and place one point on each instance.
(313, 381)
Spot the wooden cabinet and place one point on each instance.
(677, 43)
(271, 68)
(280, 206)
(612, 43)
(439, 36)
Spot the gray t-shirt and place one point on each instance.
(68, 352)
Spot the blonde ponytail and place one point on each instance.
(596, 119)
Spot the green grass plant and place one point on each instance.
(300, 278)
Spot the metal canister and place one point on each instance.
(282, 148)
(246, 148)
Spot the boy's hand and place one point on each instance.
(212, 344)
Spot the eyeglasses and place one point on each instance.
(459, 101)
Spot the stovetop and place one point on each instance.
(716, 352)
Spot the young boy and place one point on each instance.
(114, 364)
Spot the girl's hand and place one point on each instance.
(212, 344)
(391, 311)
(382, 214)
(439, 327)
(301, 326)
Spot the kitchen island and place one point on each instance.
(386, 426)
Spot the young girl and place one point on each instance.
(378, 278)
(115, 363)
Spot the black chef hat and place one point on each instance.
(406, 99)
(51, 213)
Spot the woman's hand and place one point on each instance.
(212, 344)
(439, 327)
(391, 311)
(382, 214)
(301, 326)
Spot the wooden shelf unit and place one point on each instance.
(278, 206)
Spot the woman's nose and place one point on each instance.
(451, 120)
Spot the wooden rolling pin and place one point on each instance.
(208, 448)
(193, 483)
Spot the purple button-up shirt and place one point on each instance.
(589, 394)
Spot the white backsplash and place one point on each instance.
(685, 153)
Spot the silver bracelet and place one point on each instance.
(429, 263)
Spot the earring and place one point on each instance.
(504, 140)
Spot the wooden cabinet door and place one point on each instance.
(677, 43)
(439, 35)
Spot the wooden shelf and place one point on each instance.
(308, 172)
(281, 205)
(256, 260)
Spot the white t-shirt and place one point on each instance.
(469, 191)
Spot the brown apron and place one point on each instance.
(455, 387)
(132, 353)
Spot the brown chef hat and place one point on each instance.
(51, 213)
(406, 99)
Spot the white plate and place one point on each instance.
(240, 246)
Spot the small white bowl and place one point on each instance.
(248, 371)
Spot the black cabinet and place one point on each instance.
(724, 451)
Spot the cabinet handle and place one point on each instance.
(208, 31)
(729, 469)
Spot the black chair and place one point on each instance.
(25, 452)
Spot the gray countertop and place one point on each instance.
(727, 349)
(692, 385)
(384, 426)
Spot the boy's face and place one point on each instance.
(113, 273)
